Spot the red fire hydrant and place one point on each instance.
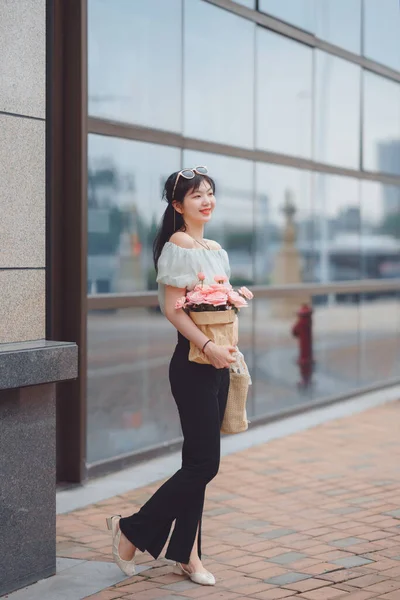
(303, 330)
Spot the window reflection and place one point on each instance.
(337, 114)
(282, 193)
(300, 13)
(218, 75)
(381, 124)
(284, 95)
(337, 228)
(232, 222)
(336, 345)
(339, 22)
(380, 230)
(379, 337)
(381, 32)
(130, 406)
(135, 56)
(125, 181)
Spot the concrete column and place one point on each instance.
(29, 365)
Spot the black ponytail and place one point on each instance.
(167, 229)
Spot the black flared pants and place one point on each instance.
(200, 393)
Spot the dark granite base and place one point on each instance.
(27, 486)
(37, 362)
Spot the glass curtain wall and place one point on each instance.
(304, 145)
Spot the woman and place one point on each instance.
(200, 391)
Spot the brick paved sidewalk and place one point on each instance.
(315, 515)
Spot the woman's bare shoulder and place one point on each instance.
(182, 239)
(214, 245)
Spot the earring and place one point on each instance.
(174, 220)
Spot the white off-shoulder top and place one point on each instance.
(179, 266)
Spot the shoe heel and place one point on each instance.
(109, 521)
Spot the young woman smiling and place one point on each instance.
(200, 391)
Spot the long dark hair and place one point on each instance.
(166, 228)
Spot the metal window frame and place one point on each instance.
(67, 219)
(304, 37)
(67, 129)
(150, 298)
(105, 467)
(128, 131)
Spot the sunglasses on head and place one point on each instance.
(189, 174)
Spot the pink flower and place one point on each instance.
(201, 276)
(204, 289)
(246, 293)
(237, 300)
(217, 298)
(180, 303)
(220, 287)
(197, 297)
(220, 278)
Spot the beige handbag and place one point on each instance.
(218, 326)
(235, 417)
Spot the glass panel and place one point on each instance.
(277, 259)
(336, 345)
(381, 32)
(381, 124)
(218, 75)
(300, 13)
(129, 402)
(380, 312)
(232, 223)
(284, 95)
(135, 57)
(337, 228)
(290, 372)
(380, 336)
(275, 374)
(339, 22)
(380, 230)
(337, 128)
(125, 181)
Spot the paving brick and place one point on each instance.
(349, 541)
(138, 587)
(155, 594)
(290, 577)
(352, 561)
(222, 595)
(271, 519)
(275, 594)
(394, 513)
(324, 594)
(180, 586)
(287, 558)
(105, 595)
(276, 533)
(389, 585)
(366, 581)
(307, 585)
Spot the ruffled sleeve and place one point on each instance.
(227, 265)
(177, 267)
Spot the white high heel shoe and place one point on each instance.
(200, 578)
(126, 566)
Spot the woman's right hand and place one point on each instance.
(220, 356)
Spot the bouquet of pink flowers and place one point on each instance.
(213, 308)
(218, 296)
